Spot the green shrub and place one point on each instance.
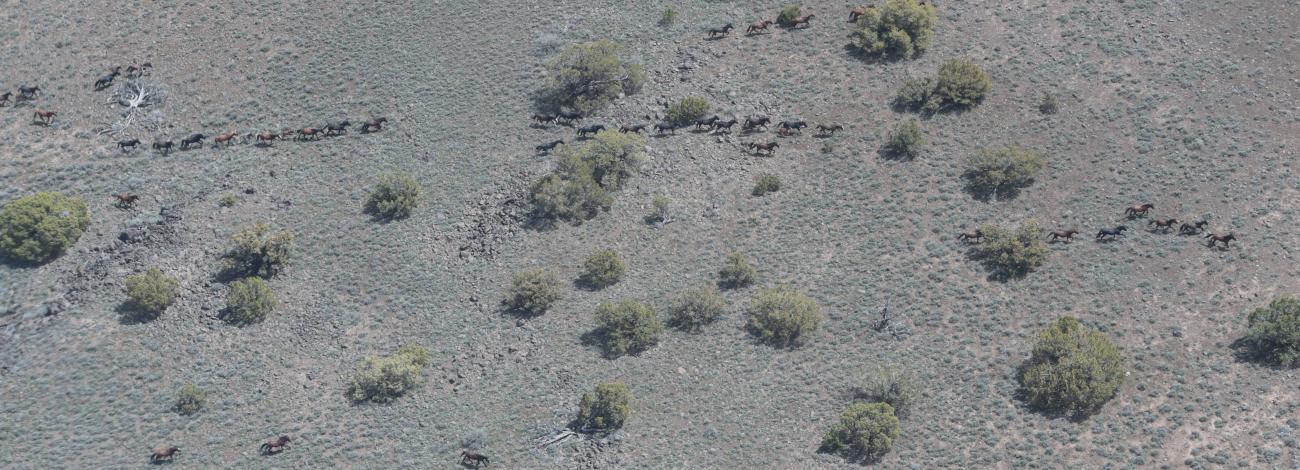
(736, 272)
(532, 292)
(889, 385)
(1049, 104)
(960, 84)
(190, 399)
(575, 199)
(580, 187)
(381, 379)
(606, 408)
(613, 157)
(40, 227)
(1072, 370)
(915, 93)
(394, 197)
(150, 292)
(783, 317)
(250, 300)
(766, 183)
(686, 111)
(1011, 253)
(1273, 336)
(258, 252)
(697, 307)
(626, 327)
(227, 200)
(788, 14)
(659, 210)
(602, 269)
(866, 432)
(1001, 173)
(668, 17)
(906, 140)
(588, 76)
(899, 29)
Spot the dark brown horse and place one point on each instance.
(637, 128)
(123, 144)
(163, 147)
(28, 92)
(45, 117)
(1163, 225)
(473, 457)
(829, 130)
(547, 147)
(163, 453)
(1139, 210)
(769, 147)
(373, 125)
(267, 137)
(719, 32)
(802, 20)
(193, 139)
(106, 80)
(544, 118)
(757, 26)
(666, 126)
(4, 98)
(126, 201)
(1193, 228)
(275, 444)
(755, 122)
(1111, 232)
(720, 125)
(1214, 239)
(859, 11)
(971, 236)
(1063, 234)
(335, 128)
(137, 72)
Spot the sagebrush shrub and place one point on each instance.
(1011, 253)
(602, 269)
(584, 177)
(532, 292)
(1002, 172)
(668, 17)
(605, 408)
(258, 252)
(627, 327)
(150, 292)
(227, 200)
(898, 29)
(687, 110)
(576, 198)
(736, 272)
(40, 227)
(659, 210)
(250, 300)
(587, 76)
(393, 197)
(381, 379)
(905, 141)
(788, 14)
(866, 432)
(783, 317)
(1049, 104)
(697, 307)
(1273, 335)
(1072, 370)
(767, 183)
(190, 399)
(889, 385)
(959, 84)
(915, 93)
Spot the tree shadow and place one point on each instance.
(131, 314)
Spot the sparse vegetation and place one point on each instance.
(898, 29)
(149, 293)
(659, 210)
(382, 379)
(906, 141)
(588, 76)
(1273, 336)
(626, 327)
(1001, 173)
(687, 110)
(393, 197)
(258, 252)
(866, 432)
(1011, 253)
(736, 272)
(668, 17)
(1072, 370)
(602, 269)
(249, 301)
(788, 14)
(960, 84)
(190, 400)
(580, 187)
(227, 200)
(532, 292)
(40, 227)
(889, 385)
(767, 183)
(606, 408)
(783, 317)
(696, 308)
(1049, 104)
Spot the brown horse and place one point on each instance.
(769, 147)
(309, 133)
(1220, 238)
(275, 444)
(1139, 210)
(163, 147)
(757, 26)
(126, 201)
(474, 457)
(44, 116)
(377, 124)
(1193, 228)
(224, 138)
(829, 130)
(1163, 225)
(756, 122)
(636, 129)
(971, 236)
(286, 133)
(802, 20)
(266, 137)
(1066, 234)
(859, 11)
(719, 32)
(163, 453)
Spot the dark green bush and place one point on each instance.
(576, 199)
(697, 307)
(1001, 173)
(889, 385)
(1273, 336)
(190, 399)
(381, 379)
(686, 111)
(866, 432)
(1072, 370)
(249, 301)
(394, 197)
(788, 14)
(587, 76)
(580, 187)
(959, 84)
(899, 29)
(258, 252)
(783, 317)
(906, 141)
(1011, 253)
(766, 184)
(602, 269)
(40, 227)
(150, 292)
(736, 272)
(1049, 104)
(532, 292)
(626, 327)
(606, 408)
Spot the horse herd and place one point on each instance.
(277, 444)
(761, 26)
(45, 117)
(261, 138)
(1109, 233)
(712, 125)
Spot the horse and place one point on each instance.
(1163, 224)
(1110, 232)
(475, 457)
(755, 122)
(163, 453)
(266, 137)
(1193, 228)
(309, 133)
(1066, 234)
(666, 126)
(373, 125)
(123, 144)
(1139, 210)
(757, 26)
(971, 236)
(547, 147)
(592, 129)
(703, 122)
(544, 118)
(829, 130)
(769, 147)
(274, 444)
(720, 125)
(126, 200)
(567, 116)
(796, 126)
(224, 138)
(802, 20)
(637, 128)
(859, 11)
(191, 140)
(137, 72)
(335, 128)
(163, 147)
(104, 81)
(4, 98)
(286, 133)
(28, 92)
(45, 116)
(1220, 238)
(723, 31)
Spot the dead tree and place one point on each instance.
(140, 99)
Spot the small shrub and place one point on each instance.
(1049, 104)
(788, 14)
(767, 183)
(686, 111)
(668, 17)
(249, 301)
(258, 252)
(866, 432)
(1011, 253)
(697, 307)
(1001, 173)
(626, 327)
(906, 141)
(227, 200)
(580, 187)
(959, 84)
(149, 293)
(659, 210)
(393, 197)
(381, 379)
(736, 272)
(1273, 335)
(190, 399)
(613, 157)
(783, 318)
(587, 77)
(575, 199)
(40, 227)
(915, 93)
(532, 292)
(606, 408)
(889, 385)
(1072, 370)
(828, 147)
(899, 29)
(602, 269)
